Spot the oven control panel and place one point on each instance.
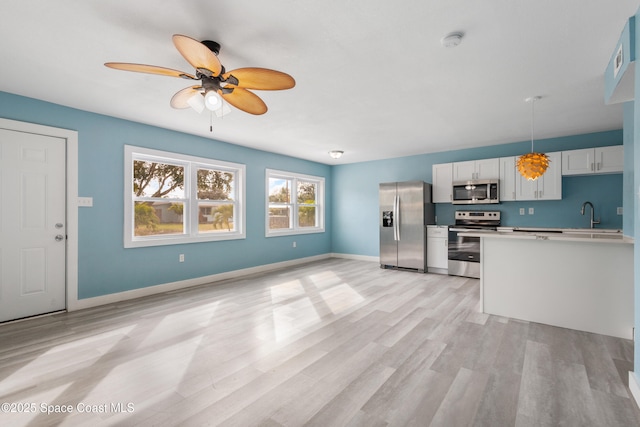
(478, 215)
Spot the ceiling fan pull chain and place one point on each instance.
(210, 121)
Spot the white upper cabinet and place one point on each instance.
(476, 169)
(442, 187)
(610, 159)
(508, 179)
(547, 187)
(593, 160)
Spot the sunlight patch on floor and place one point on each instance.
(139, 379)
(290, 318)
(180, 323)
(59, 360)
(285, 291)
(340, 298)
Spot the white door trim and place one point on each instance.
(71, 137)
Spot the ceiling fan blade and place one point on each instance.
(245, 100)
(260, 78)
(149, 69)
(181, 98)
(197, 54)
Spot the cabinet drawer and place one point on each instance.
(439, 231)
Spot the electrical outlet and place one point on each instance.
(181, 258)
(521, 211)
(85, 202)
(294, 244)
(619, 210)
(530, 211)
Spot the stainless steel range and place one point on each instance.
(464, 252)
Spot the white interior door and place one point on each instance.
(32, 224)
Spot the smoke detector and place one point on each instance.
(452, 40)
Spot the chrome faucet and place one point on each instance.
(592, 220)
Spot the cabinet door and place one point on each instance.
(442, 183)
(437, 253)
(609, 159)
(488, 169)
(464, 171)
(550, 184)
(507, 179)
(525, 189)
(578, 162)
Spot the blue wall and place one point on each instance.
(355, 192)
(104, 266)
(352, 199)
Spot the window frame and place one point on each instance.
(190, 200)
(319, 205)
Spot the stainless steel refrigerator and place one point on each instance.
(405, 210)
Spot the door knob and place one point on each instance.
(59, 238)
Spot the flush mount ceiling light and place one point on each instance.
(532, 165)
(452, 40)
(336, 154)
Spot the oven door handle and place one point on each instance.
(462, 229)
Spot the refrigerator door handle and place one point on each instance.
(396, 215)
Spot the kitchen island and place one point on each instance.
(576, 280)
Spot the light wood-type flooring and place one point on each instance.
(330, 343)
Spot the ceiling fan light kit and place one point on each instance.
(212, 100)
(216, 83)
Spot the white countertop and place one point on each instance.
(571, 234)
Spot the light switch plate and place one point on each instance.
(530, 211)
(85, 202)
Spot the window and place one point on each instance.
(295, 203)
(173, 198)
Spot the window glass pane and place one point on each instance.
(152, 179)
(215, 185)
(307, 216)
(307, 192)
(280, 190)
(215, 218)
(155, 218)
(279, 218)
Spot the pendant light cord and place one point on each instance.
(533, 101)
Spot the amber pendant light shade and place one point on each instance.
(532, 165)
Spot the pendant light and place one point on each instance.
(532, 165)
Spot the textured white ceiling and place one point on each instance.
(372, 77)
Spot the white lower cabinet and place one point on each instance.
(437, 248)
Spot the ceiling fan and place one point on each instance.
(215, 82)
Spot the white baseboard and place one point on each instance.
(634, 387)
(166, 287)
(357, 257)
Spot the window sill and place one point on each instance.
(294, 232)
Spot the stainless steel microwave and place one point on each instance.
(476, 192)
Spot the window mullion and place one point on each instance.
(192, 191)
(294, 202)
